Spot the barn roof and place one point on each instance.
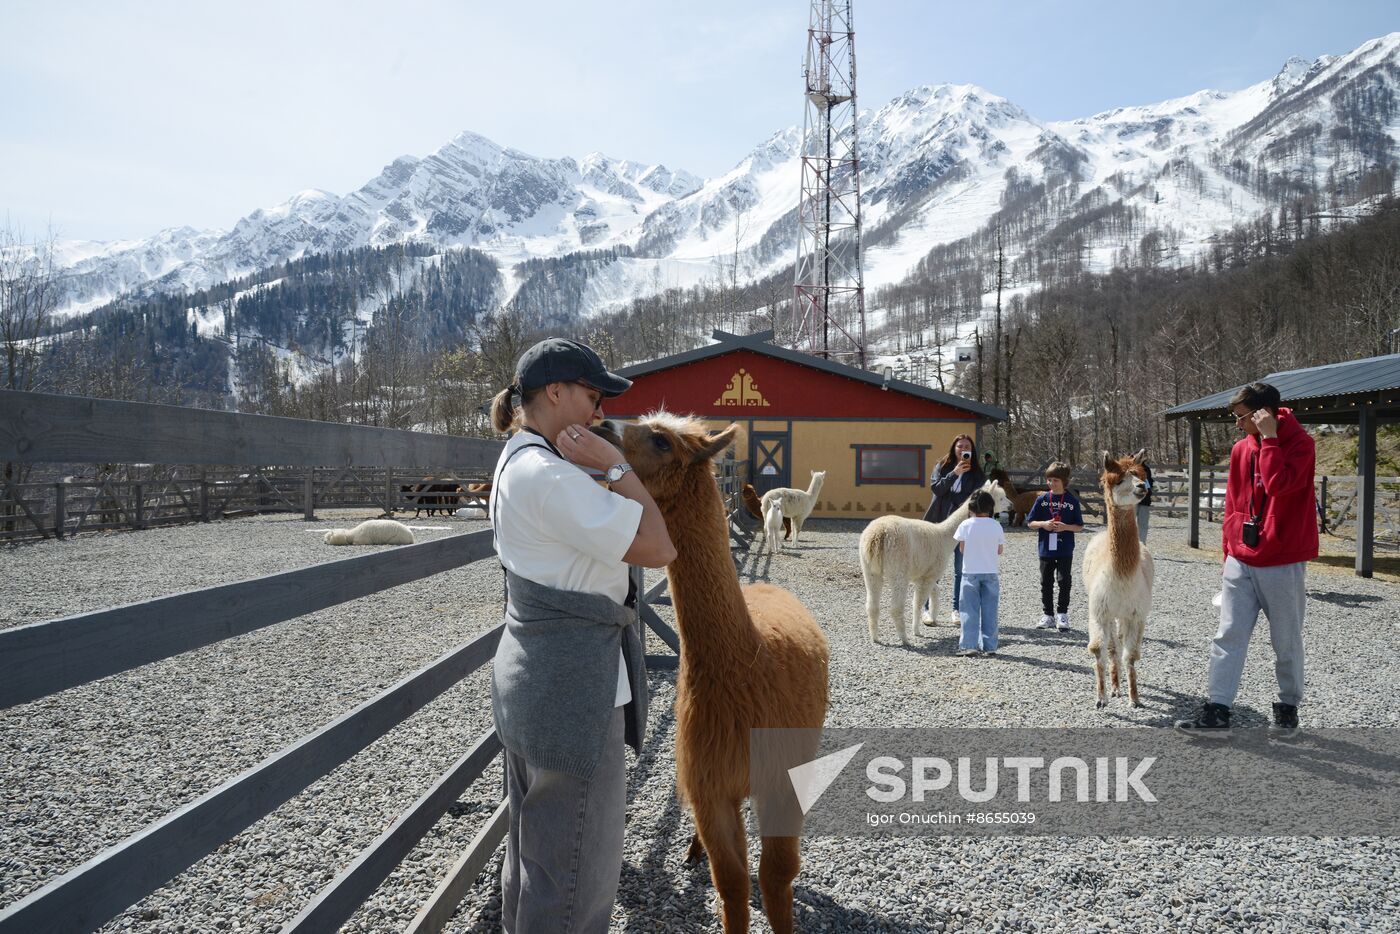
(1335, 385)
(761, 344)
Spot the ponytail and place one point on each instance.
(505, 414)
(503, 410)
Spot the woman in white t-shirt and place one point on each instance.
(981, 540)
(568, 681)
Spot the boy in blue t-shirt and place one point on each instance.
(1057, 516)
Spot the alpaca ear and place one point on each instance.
(714, 444)
(1108, 462)
(1140, 456)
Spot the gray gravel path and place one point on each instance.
(84, 768)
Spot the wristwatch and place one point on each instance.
(616, 472)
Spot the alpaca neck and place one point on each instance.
(711, 614)
(1123, 542)
(815, 486)
(956, 517)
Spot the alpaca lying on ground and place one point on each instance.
(372, 532)
(796, 505)
(900, 550)
(1118, 577)
(751, 657)
(755, 507)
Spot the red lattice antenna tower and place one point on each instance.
(828, 308)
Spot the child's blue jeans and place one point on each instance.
(977, 606)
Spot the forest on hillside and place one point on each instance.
(1082, 362)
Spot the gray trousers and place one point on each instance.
(1144, 517)
(564, 845)
(1279, 593)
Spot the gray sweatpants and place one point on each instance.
(1144, 517)
(1279, 593)
(564, 845)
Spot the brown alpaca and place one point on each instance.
(751, 657)
(755, 507)
(1021, 500)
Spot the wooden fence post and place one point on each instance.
(60, 508)
(138, 492)
(308, 495)
(389, 490)
(203, 500)
(1322, 506)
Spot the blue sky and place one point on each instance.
(120, 118)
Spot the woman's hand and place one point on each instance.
(586, 449)
(962, 467)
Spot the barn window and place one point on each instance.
(890, 463)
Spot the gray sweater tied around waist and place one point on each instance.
(554, 680)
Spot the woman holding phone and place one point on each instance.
(954, 479)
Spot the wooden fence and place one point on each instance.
(1336, 498)
(43, 658)
(113, 497)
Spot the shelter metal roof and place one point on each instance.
(1349, 382)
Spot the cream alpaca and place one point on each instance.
(796, 505)
(900, 550)
(372, 532)
(1118, 578)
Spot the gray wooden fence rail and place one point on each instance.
(42, 658)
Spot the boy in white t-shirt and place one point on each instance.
(981, 540)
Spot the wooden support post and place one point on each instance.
(389, 490)
(1366, 491)
(1194, 485)
(308, 495)
(203, 500)
(60, 508)
(1322, 506)
(138, 494)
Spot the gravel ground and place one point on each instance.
(83, 769)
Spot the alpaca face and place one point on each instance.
(1125, 480)
(664, 449)
(1000, 501)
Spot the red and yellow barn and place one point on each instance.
(877, 439)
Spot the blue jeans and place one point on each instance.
(980, 595)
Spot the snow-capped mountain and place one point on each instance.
(938, 164)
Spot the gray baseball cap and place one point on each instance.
(560, 360)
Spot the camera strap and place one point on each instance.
(1257, 515)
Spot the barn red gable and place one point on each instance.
(746, 384)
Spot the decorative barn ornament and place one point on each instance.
(741, 391)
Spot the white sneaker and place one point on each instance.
(1062, 622)
(927, 617)
(1046, 622)
(954, 617)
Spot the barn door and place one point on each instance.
(768, 460)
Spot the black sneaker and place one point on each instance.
(1213, 720)
(1285, 720)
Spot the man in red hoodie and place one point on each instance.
(1269, 536)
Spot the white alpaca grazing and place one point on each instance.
(900, 550)
(1118, 578)
(773, 526)
(796, 505)
(372, 532)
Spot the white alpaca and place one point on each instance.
(900, 550)
(372, 532)
(1118, 578)
(773, 526)
(796, 505)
